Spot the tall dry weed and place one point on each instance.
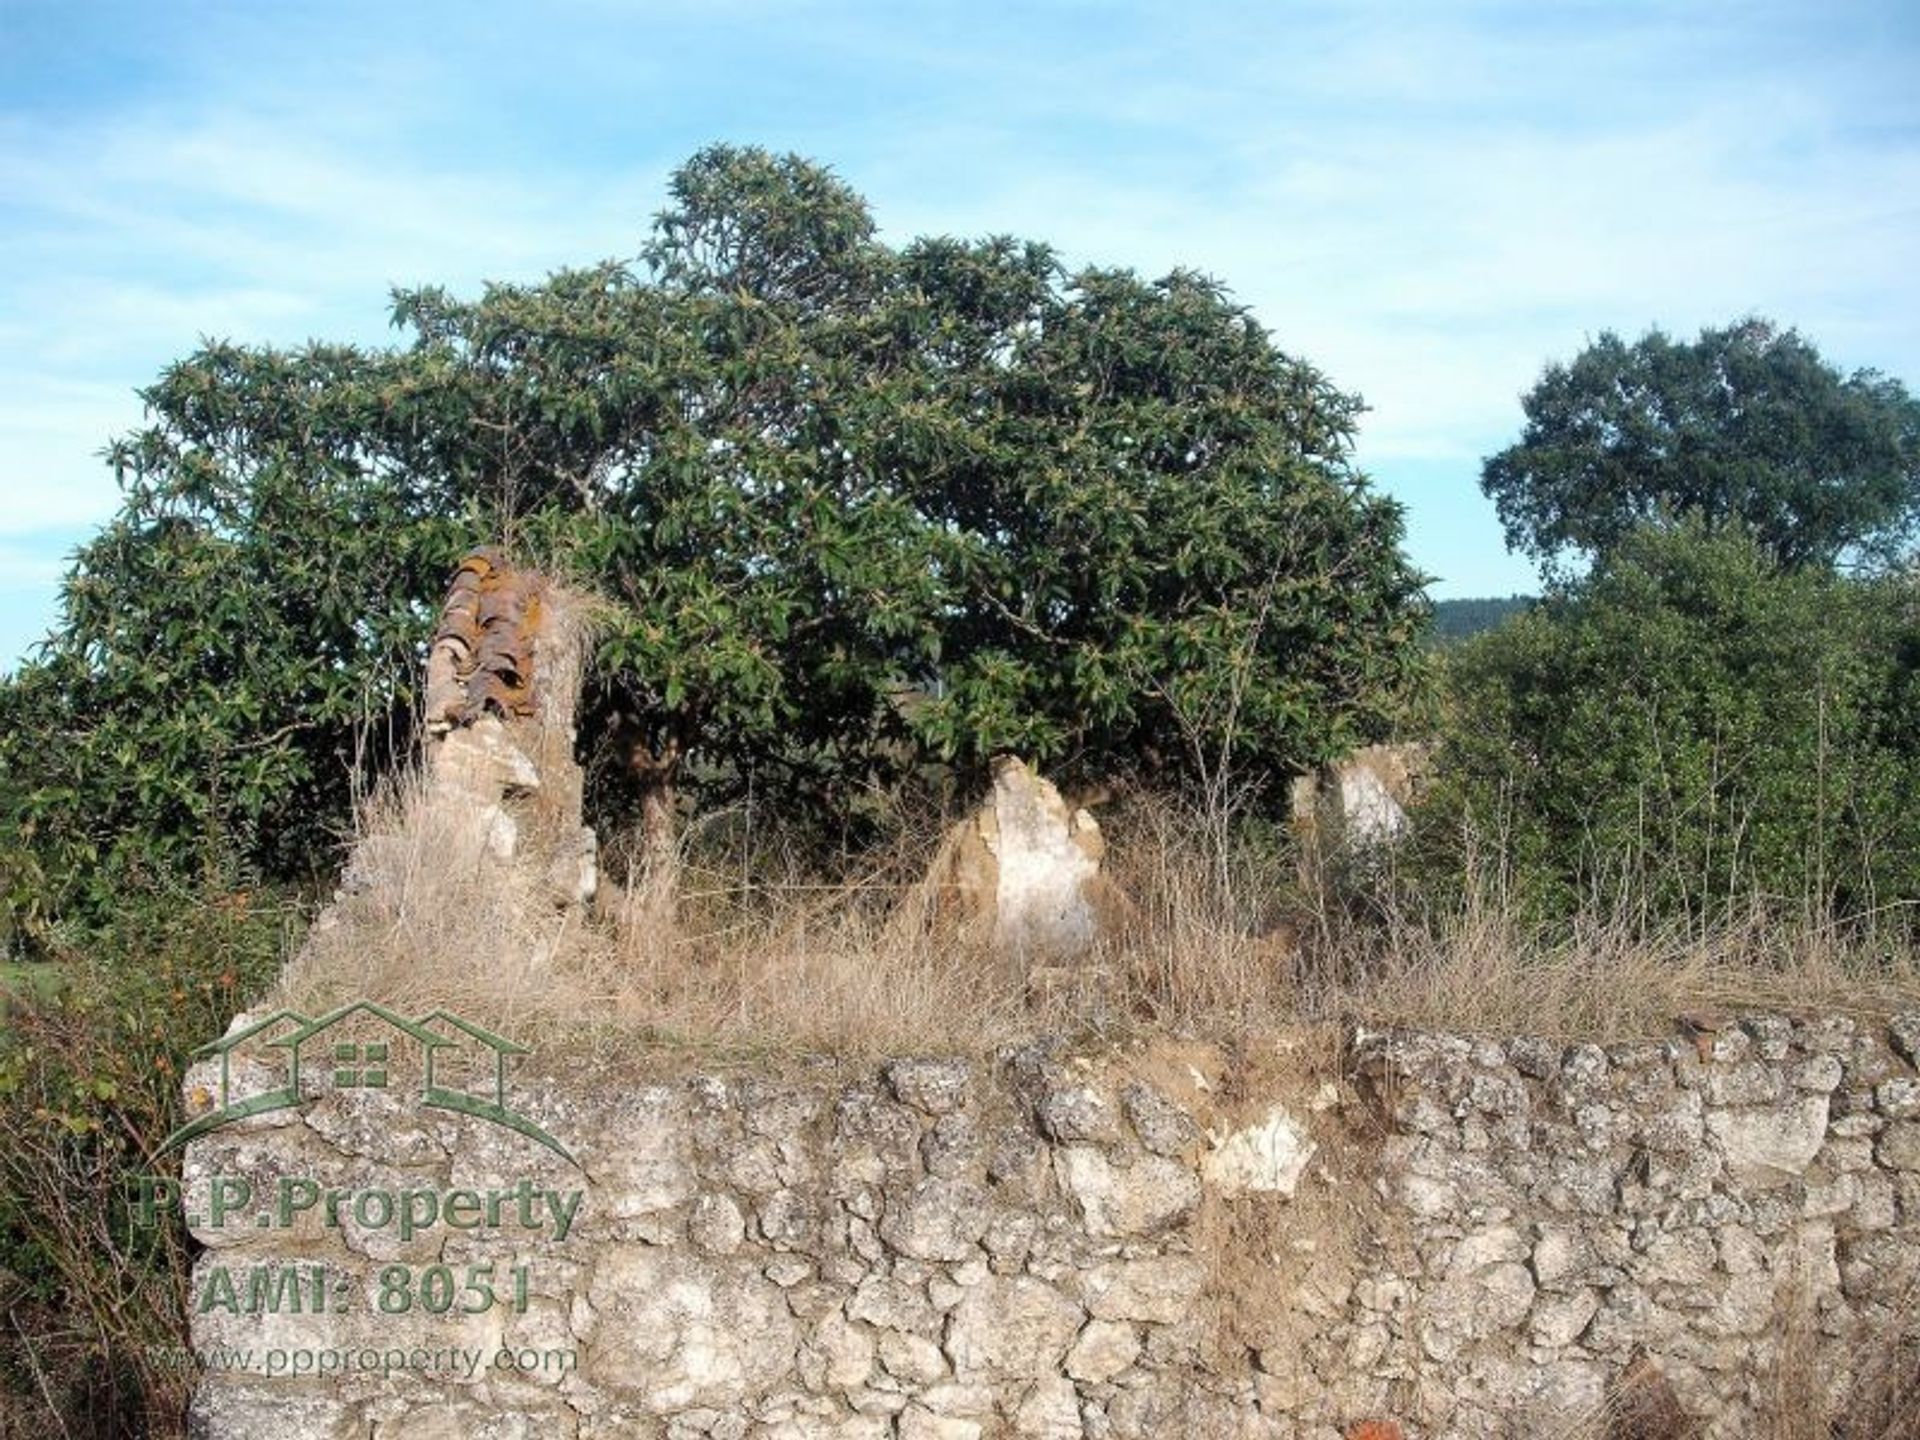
(761, 948)
(427, 918)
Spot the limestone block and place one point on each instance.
(369, 1123)
(1488, 1247)
(243, 1077)
(1077, 1114)
(1577, 1184)
(1560, 1254)
(754, 1166)
(1050, 1410)
(1160, 1289)
(1676, 1127)
(1873, 1205)
(873, 1138)
(1898, 1147)
(288, 1410)
(715, 1224)
(936, 1087)
(1677, 1257)
(675, 1331)
(1904, 1032)
(912, 1358)
(1535, 1057)
(939, 1219)
(1139, 1199)
(1818, 1073)
(1584, 1067)
(1771, 1034)
(1467, 1307)
(1750, 1083)
(953, 1397)
(639, 1155)
(951, 1146)
(1898, 1099)
(466, 1420)
(788, 1219)
(1557, 1320)
(1830, 1195)
(1745, 1307)
(1269, 1157)
(779, 1113)
(233, 1157)
(893, 1304)
(846, 1352)
(1163, 1127)
(1011, 1329)
(1565, 1389)
(481, 761)
(1009, 1237)
(1104, 1349)
(1772, 1145)
(919, 1423)
(1017, 1157)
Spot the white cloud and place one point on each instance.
(131, 243)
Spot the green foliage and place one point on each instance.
(855, 506)
(1456, 620)
(90, 1081)
(1747, 424)
(1160, 549)
(1692, 726)
(231, 641)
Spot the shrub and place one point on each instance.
(89, 1086)
(1688, 728)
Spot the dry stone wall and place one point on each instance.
(1480, 1237)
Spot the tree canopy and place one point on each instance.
(1745, 424)
(854, 506)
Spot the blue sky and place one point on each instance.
(1429, 201)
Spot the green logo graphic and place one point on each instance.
(362, 1064)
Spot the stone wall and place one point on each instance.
(1467, 1237)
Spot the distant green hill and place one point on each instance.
(1455, 620)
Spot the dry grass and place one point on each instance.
(1883, 1402)
(429, 919)
(762, 956)
(805, 969)
(1606, 977)
(1796, 1402)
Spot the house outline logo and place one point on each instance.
(363, 1065)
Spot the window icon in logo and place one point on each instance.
(454, 1051)
(360, 1066)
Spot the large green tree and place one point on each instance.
(855, 505)
(1746, 423)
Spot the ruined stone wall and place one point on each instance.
(1481, 1236)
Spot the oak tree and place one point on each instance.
(1746, 424)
